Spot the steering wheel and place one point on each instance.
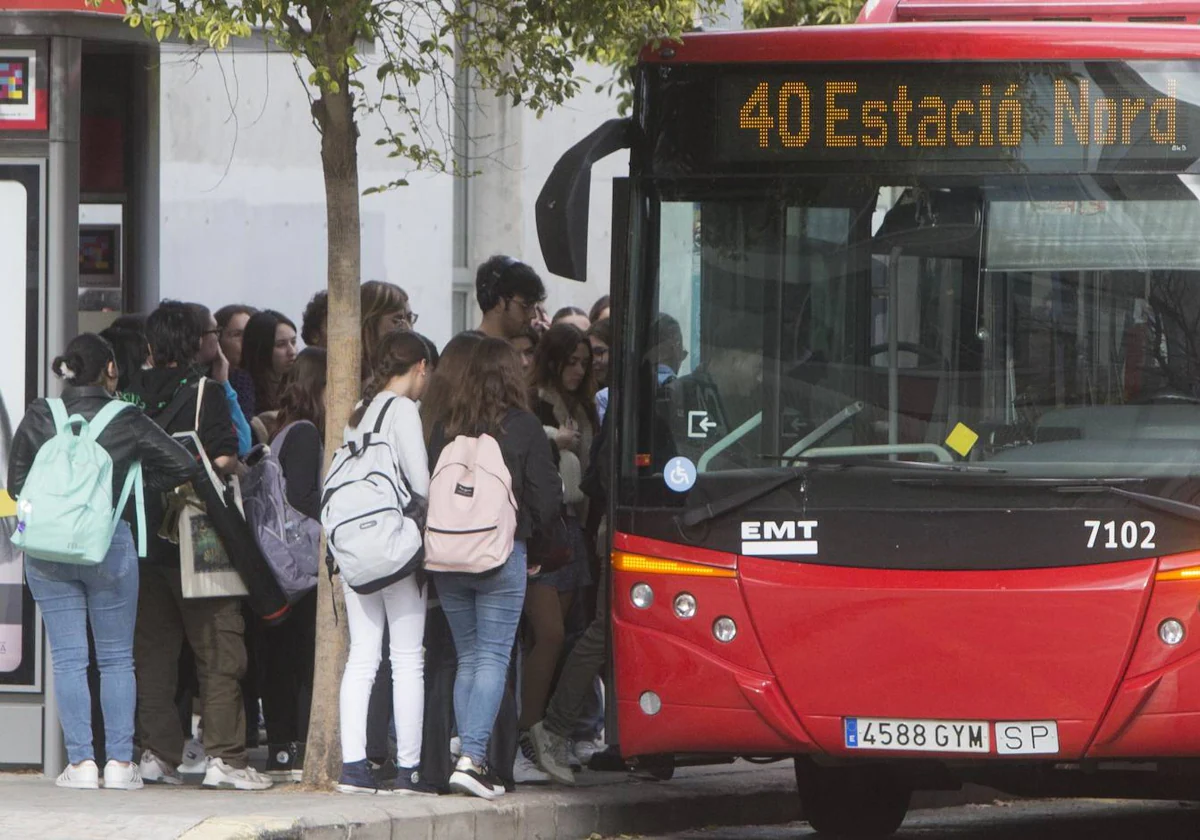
(920, 351)
(1167, 398)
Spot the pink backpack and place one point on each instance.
(472, 512)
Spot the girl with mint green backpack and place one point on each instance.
(76, 463)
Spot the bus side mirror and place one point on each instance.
(562, 206)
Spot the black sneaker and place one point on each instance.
(499, 784)
(474, 780)
(358, 778)
(385, 771)
(408, 781)
(285, 762)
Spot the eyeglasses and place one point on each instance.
(526, 307)
(402, 318)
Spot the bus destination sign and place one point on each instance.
(966, 112)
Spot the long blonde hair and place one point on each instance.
(377, 299)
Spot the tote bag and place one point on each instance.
(204, 564)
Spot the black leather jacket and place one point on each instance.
(131, 437)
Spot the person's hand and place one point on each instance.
(541, 319)
(220, 367)
(568, 436)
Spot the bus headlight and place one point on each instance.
(685, 605)
(1171, 631)
(724, 629)
(642, 596)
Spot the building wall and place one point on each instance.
(515, 152)
(243, 204)
(243, 198)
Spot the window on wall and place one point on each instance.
(460, 311)
(461, 140)
(462, 299)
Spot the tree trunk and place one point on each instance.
(339, 156)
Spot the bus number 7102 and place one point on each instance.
(1121, 534)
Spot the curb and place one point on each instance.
(605, 810)
(766, 797)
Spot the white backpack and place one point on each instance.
(472, 511)
(365, 507)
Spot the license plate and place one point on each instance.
(957, 736)
(1026, 737)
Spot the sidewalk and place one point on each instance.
(604, 803)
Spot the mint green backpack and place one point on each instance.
(65, 512)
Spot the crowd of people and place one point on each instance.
(454, 681)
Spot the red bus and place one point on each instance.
(906, 401)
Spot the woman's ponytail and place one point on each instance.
(85, 361)
(370, 391)
(67, 366)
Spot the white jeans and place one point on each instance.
(402, 606)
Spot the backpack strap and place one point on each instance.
(173, 409)
(382, 414)
(364, 440)
(199, 401)
(277, 443)
(105, 416)
(58, 411)
(134, 484)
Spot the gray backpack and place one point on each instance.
(289, 540)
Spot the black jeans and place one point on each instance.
(288, 652)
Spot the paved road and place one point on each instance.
(1045, 820)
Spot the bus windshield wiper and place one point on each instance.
(1184, 510)
(695, 516)
(1004, 480)
(1068, 486)
(704, 513)
(846, 461)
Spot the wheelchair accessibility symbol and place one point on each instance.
(680, 474)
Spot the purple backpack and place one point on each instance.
(289, 540)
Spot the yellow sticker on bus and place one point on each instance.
(961, 439)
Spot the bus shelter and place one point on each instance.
(78, 221)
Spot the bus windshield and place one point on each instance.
(1048, 325)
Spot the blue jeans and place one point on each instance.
(483, 612)
(106, 594)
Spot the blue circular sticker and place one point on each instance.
(680, 474)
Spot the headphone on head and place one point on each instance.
(491, 287)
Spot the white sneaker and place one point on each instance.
(155, 771)
(525, 772)
(122, 775)
(221, 775)
(82, 776)
(195, 761)
(470, 778)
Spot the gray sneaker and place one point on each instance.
(155, 771)
(222, 775)
(550, 751)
